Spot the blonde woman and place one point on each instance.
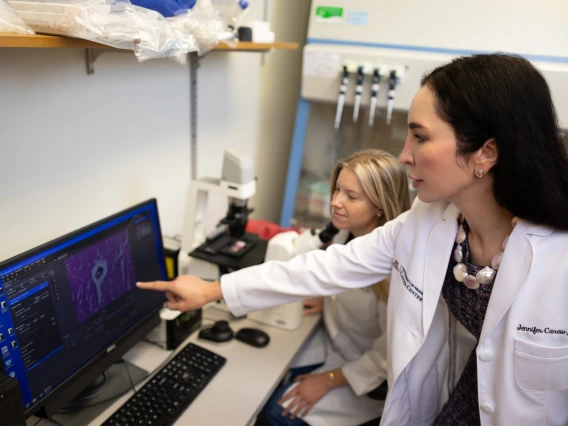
(368, 189)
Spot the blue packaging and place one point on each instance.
(167, 8)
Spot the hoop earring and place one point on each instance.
(479, 173)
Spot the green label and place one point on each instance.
(329, 14)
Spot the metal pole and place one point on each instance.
(193, 65)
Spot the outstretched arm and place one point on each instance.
(186, 293)
(362, 262)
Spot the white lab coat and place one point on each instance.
(353, 339)
(522, 355)
(360, 355)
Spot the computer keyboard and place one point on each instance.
(164, 397)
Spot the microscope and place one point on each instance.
(199, 250)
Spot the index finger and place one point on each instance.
(155, 285)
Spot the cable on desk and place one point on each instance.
(128, 373)
(159, 344)
(115, 397)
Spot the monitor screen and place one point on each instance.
(66, 302)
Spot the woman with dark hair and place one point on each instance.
(477, 322)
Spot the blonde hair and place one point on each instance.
(383, 180)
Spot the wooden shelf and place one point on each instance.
(247, 46)
(39, 41)
(46, 42)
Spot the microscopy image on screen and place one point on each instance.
(100, 274)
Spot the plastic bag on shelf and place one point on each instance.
(206, 26)
(153, 35)
(10, 22)
(115, 23)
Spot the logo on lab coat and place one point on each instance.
(412, 289)
(536, 330)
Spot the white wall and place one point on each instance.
(521, 26)
(75, 148)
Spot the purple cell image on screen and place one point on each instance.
(100, 274)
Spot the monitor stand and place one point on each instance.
(101, 394)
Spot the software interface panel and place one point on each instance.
(63, 305)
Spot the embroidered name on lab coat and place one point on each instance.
(536, 330)
(415, 291)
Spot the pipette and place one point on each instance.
(358, 92)
(375, 87)
(341, 99)
(392, 94)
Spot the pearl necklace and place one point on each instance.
(485, 275)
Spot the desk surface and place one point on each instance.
(238, 392)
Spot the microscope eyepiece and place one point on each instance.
(327, 233)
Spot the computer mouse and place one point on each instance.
(253, 337)
(220, 332)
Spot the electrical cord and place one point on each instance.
(160, 344)
(115, 397)
(49, 419)
(128, 373)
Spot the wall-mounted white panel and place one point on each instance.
(518, 26)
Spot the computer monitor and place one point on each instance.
(70, 308)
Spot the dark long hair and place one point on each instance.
(504, 97)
